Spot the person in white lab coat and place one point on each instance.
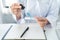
(45, 11)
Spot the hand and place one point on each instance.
(16, 9)
(41, 21)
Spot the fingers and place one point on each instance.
(42, 24)
(41, 21)
(16, 8)
(16, 5)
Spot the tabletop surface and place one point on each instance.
(3, 29)
(34, 32)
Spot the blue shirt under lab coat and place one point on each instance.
(42, 8)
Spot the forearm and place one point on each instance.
(18, 17)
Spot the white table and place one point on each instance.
(58, 29)
(3, 29)
(51, 34)
(34, 32)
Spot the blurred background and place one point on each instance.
(5, 10)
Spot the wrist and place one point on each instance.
(18, 17)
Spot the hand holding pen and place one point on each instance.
(17, 8)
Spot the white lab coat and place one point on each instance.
(42, 8)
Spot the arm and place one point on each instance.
(17, 11)
(51, 16)
(53, 13)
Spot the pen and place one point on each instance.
(45, 33)
(23, 7)
(24, 32)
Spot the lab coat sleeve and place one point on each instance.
(53, 13)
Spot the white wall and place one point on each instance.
(0, 12)
(7, 3)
